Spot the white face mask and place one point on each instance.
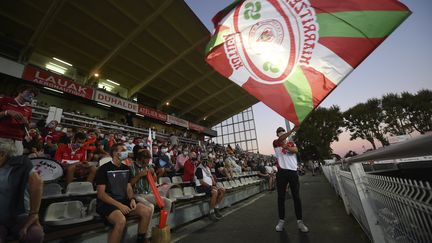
(123, 155)
(185, 153)
(141, 144)
(164, 150)
(280, 134)
(58, 129)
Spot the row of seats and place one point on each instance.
(239, 182)
(179, 180)
(70, 212)
(54, 190)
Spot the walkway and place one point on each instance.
(254, 220)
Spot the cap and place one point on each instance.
(280, 129)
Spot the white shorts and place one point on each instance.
(17, 145)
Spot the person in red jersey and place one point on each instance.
(285, 151)
(15, 116)
(74, 158)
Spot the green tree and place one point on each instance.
(317, 133)
(365, 121)
(419, 110)
(395, 115)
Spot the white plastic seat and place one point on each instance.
(177, 180)
(163, 180)
(80, 188)
(91, 210)
(52, 190)
(191, 191)
(238, 182)
(233, 184)
(66, 213)
(177, 193)
(227, 185)
(104, 160)
(243, 181)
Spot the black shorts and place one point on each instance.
(204, 189)
(105, 210)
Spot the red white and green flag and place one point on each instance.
(291, 54)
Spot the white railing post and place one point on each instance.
(376, 231)
(342, 191)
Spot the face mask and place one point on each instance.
(130, 141)
(58, 129)
(28, 97)
(185, 153)
(101, 135)
(123, 155)
(280, 134)
(141, 144)
(164, 150)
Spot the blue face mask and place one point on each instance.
(123, 155)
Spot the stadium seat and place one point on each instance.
(177, 193)
(104, 160)
(227, 185)
(191, 191)
(220, 184)
(243, 181)
(52, 190)
(233, 184)
(80, 188)
(92, 208)
(66, 213)
(177, 180)
(163, 180)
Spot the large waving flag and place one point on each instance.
(291, 54)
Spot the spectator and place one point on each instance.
(37, 151)
(190, 167)
(141, 186)
(173, 139)
(116, 198)
(15, 116)
(74, 158)
(181, 159)
(129, 145)
(206, 184)
(230, 163)
(20, 196)
(221, 170)
(67, 138)
(264, 173)
(164, 167)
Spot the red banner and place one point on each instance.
(56, 81)
(196, 127)
(149, 112)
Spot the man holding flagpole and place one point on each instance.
(285, 151)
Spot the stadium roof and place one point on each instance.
(153, 48)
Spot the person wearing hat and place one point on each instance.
(285, 151)
(205, 183)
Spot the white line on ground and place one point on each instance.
(225, 214)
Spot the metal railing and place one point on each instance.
(389, 209)
(75, 120)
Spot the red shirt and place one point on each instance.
(9, 127)
(54, 136)
(189, 171)
(64, 152)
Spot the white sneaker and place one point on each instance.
(280, 225)
(302, 227)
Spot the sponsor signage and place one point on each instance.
(177, 121)
(56, 81)
(196, 127)
(149, 112)
(115, 101)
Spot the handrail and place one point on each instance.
(415, 147)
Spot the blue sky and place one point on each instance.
(401, 63)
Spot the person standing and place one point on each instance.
(15, 116)
(285, 152)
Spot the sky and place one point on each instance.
(401, 63)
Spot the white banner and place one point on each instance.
(177, 121)
(115, 101)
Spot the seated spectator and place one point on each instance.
(129, 145)
(230, 162)
(20, 197)
(116, 199)
(163, 164)
(141, 186)
(190, 167)
(37, 151)
(73, 158)
(205, 183)
(221, 170)
(67, 137)
(263, 173)
(181, 159)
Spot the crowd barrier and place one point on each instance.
(389, 209)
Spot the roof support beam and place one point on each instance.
(128, 39)
(186, 88)
(143, 83)
(191, 108)
(41, 29)
(221, 107)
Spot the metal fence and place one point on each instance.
(389, 209)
